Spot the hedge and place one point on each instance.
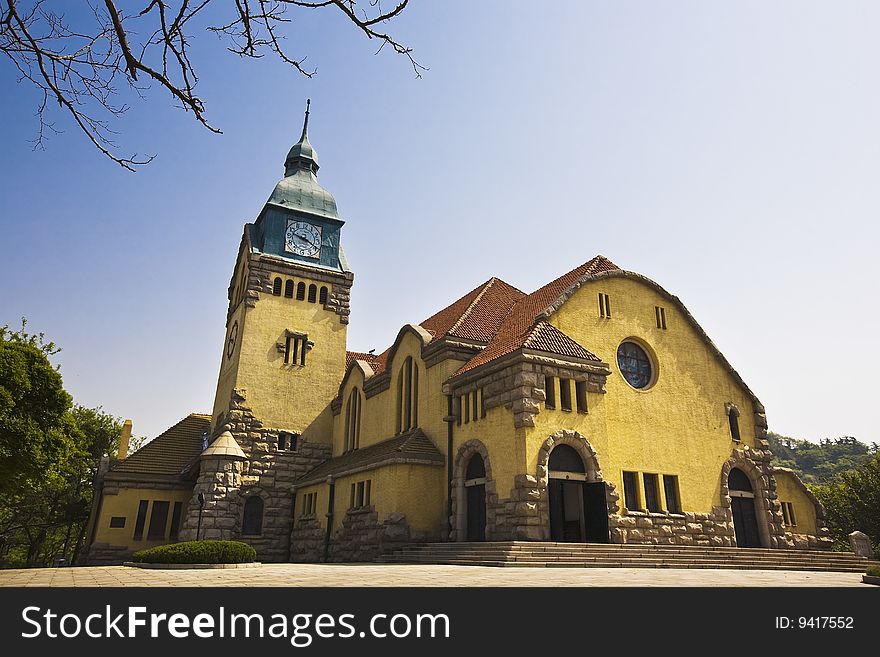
(873, 570)
(198, 552)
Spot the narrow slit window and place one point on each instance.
(322, 296)
(670, 487)
(785, 517)
(175, 520)
(652, 496)
(351, 499)
(359, 500)
(367, 491)
(288, 289)
(580, 393)
(300, 291)
(276, 287)
(549, 392)
(791, 514)
(482, 404)
(565, 394)
(631, 491)
(466, 407)
(313, 293)
(474, 405)
(604, 306)
(733, 421)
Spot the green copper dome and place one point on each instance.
(299, 189)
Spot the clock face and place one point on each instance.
(233, 337)
(303, 239)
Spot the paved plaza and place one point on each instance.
(418, 575)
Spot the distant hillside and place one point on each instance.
(818, 463)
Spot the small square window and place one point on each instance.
(117, 522)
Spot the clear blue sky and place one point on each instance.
(729, 151)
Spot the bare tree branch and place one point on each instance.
(81, 70)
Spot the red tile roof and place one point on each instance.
(376, 361)
(477, 315)
(517, 326)
(504, 318)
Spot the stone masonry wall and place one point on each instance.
(268, 473)
(360, 538)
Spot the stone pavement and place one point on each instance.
(418, 575)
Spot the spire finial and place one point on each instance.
(306, 122)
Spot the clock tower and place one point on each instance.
(284, 353)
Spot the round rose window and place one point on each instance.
(635, 365)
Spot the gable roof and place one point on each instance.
(410, 447)
(517, 327)
(376, 361)
(478, 314)
(169, 452)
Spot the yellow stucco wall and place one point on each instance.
(789, 490)
(125, 504)
(505, 444)
(379, 412)
(417, 491)
(285, 396)
(679, 425)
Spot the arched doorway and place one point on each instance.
(475, 492)
(578, 510)
(742, 502)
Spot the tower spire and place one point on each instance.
(302, 157)
(305, 133)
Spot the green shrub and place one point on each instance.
(198, 552)
(873, 570)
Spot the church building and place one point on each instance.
(591, 410)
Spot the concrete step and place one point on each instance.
(586, 555)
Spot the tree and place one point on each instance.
(79, 63)
(36, 433)
(50, 452)
(852, 502)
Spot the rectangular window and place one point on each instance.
(660, 316)
(310, 504)
(670, 487)
(788, 514)
(175, 520)
(158, 521)
(359, 497)
(474, 405)
(459, 399)
(117, 522)
(604, 306)
(466, 407)
(631, 491)
(295, 347)
(482, 404)
(141, 520)
(367, 486)
(652, 496)
(580, 393)
(550, 392)
(352, 498)
(733, 420)
(565, 394)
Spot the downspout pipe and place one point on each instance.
(330, 500)
(450, 420)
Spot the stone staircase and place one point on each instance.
(524, 554)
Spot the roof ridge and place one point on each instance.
(488, 284)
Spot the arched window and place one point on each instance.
(408, 396)
(313, 293)
(252, 520)
(733, 421)
(738, 480)
(565, 458)
(322, 296)
(300, 291)
(288, 289)
(276, 287)
(476, 468)
(353, 421)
